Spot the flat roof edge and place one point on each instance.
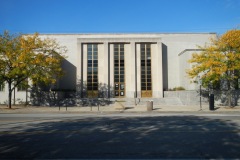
(143, 33)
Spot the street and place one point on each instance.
(122, 136)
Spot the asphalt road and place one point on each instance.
(123, 136)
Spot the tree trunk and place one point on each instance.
(230, 94)
(229, 99)
(9, 95)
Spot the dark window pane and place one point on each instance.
(95, 84)
(89, 57)
(122, 86)
(95, 88)
(89, 47)
(89, 88)
(143, 88)
(116, 86)
(121, 93)
(95, 47)
(143, 84)
(116, 93)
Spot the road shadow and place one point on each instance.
(123, 138)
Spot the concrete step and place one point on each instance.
(156, 101)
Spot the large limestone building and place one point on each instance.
(125, 65)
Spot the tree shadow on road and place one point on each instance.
(123, 137)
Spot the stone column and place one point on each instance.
(129, 51)
(111, 70)
(156, 60)
(103, 68)
(84, 69)
(138, 70)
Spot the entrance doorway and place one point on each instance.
(146, 75)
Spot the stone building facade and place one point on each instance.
(125, 65)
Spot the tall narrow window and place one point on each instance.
(2, 87)
(146, 76)
(119, 70)
(92, 70)
(23, 86)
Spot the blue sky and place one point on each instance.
(119, 16)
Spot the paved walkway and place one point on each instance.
(113, 109)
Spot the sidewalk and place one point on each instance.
(113, 109)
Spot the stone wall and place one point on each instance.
(193, 97)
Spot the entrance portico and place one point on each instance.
(127, 67)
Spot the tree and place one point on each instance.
(29, 58)
(218, 62)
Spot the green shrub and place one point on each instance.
(177, 89)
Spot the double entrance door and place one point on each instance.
(119, 89)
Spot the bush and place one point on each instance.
(177, 89)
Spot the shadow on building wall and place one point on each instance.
(65, 87)
(221, 97)
(71, 97)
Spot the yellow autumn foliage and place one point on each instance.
(29, 57)
(217, 61)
